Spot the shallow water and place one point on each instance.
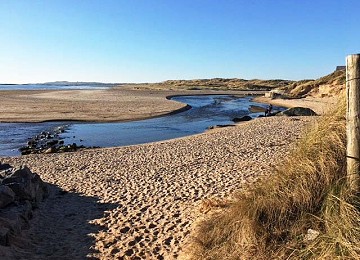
(15, 135)
(207, 110)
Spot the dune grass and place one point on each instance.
(304, 87)
(272, 219)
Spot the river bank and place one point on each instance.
(111, 105)
(206, 111)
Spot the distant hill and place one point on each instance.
(329, 85)
(220, 84)
(69, 83)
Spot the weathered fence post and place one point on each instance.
(353, 120)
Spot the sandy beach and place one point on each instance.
(139, 202)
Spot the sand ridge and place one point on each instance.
(138, 202)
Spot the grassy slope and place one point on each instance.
(271, 220)
(309, 191)
(218, 84)
(329, 85)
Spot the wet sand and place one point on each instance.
(111, 105)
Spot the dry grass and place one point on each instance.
(218, 84)
(334, 83)
(271, 220)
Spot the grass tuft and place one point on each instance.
(272, 220)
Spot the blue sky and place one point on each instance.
(156, 40)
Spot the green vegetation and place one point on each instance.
(272, 219)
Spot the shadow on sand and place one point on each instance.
(62, 227)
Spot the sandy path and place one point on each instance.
(139, 202)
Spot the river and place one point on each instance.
(206, 111)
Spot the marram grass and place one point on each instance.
(271, 221)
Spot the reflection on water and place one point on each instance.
(206, 111)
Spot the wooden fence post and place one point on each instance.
(353, 120)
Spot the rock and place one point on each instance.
(26, 150)
(20, 192)
(11, 220)
(51, 143)
(26, 210)
(297, 111)
(218, 126)
(4, 169)
(16, 218)
(50, 150)
(7, 196)
(242, 119)
(4, 166)
(63, 149)
(4, 236)
(273, 113)
(25, 184)
(32, 143)
(23, 190)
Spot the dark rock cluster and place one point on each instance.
(297, 111)
(49, 142)
(21, 191)
(242, 119)
(294, 111)
(218, 126)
